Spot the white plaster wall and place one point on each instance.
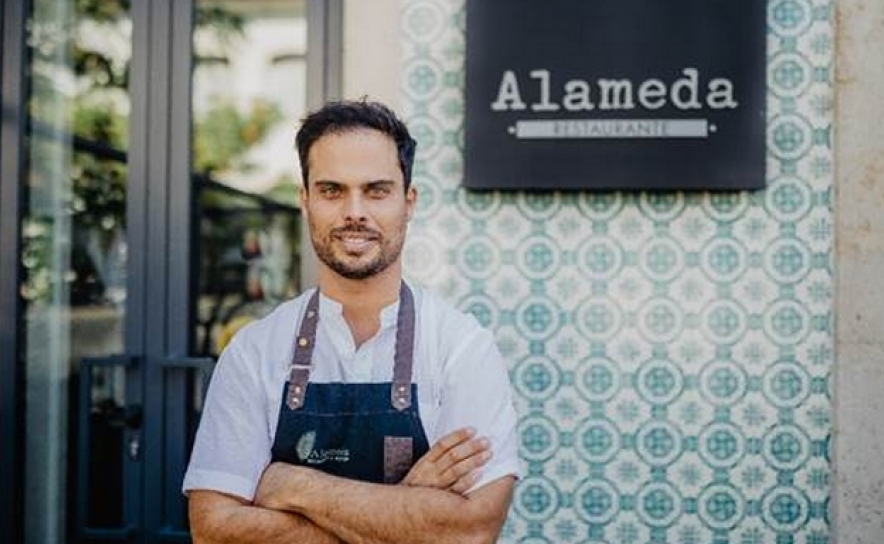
(372, 51)
(858, 490)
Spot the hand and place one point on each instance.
(452, 463)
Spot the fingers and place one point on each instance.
(452, 463)
(464, 458)
(449, 441)
(466, 472)
(464, 484)
(458, 466)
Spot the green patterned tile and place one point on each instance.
(670, 352)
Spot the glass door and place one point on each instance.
(249, 75)
(159, 215)
(249, 90)
(74, 290)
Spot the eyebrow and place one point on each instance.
(372, 183)
(380, 182)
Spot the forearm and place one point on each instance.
(374, 514)
(364, 513)
(219, 519)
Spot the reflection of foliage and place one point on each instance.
(78, 91)
(35, 256)
(224, 134)
(102, 124)
(103, 10)
(222, 22)
(98, 199)
(285, 191)
(80, 62)
(79, 78)
(99, 69)
(58, 33)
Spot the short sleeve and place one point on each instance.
(476, 393)
(232, 445)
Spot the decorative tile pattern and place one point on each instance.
(670, 353)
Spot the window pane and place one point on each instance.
(74, 258)
(249, 90)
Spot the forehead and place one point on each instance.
(354, 155)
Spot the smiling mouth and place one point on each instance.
(355, 241)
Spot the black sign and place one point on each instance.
(615, 94)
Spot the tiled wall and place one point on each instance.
(670, 353)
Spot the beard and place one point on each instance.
(357, 265)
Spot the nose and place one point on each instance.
(354, 208)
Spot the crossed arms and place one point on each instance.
(301, 505)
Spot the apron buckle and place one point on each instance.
(300, 375)
(400, 396)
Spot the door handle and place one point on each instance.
(204, 365)
(185, 381)
(201, 363)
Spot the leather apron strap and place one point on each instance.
(400, 393)
(302, 359)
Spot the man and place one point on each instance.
(319, 420)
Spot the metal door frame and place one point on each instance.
(12, 91)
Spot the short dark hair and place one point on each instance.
(346, 115)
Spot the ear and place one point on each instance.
(410, 201)
(302, 197)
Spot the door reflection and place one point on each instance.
(74, 259)
(249, 88)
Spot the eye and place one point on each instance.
(378, 191)
(330, 190)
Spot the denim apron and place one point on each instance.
(364, 431)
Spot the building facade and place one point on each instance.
(689, 366)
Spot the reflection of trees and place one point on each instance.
(224, 134)
(79, 105)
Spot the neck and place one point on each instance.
(362, 300)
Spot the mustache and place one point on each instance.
(354, 229)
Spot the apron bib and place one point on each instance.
(364, 431)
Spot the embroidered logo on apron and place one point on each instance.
(307, 452)
(305, 445)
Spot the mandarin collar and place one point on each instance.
(329, 307)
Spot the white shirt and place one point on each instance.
(461, 378)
